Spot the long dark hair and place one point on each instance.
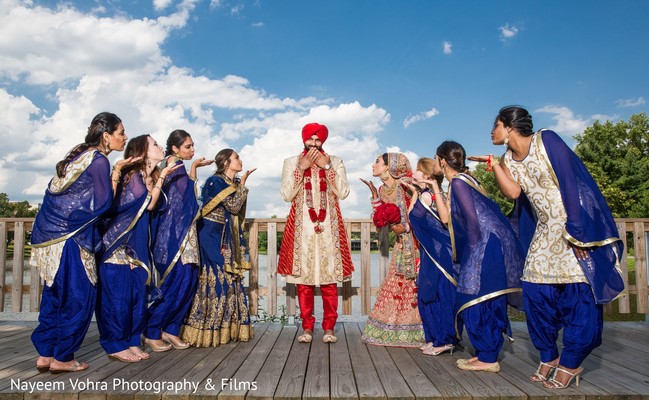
(517, 118)
(138, 147)
(454, 155)
(176, 138)
(222, 160)
(102, 122)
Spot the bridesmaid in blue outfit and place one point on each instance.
(175, 246)
(489, 256)
(65, 239)
(125, 269)
(437, 277)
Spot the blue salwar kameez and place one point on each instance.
(491, 262)
(437, 278)
(175, 253)
(64, 242)
(125, 268)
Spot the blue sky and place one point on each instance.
(383, 75)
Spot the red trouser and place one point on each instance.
(305, 295)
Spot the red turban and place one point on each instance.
(315, 129)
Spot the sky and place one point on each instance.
(382, 75)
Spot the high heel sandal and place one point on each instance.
(175, 341)
(538, 376)
(426, 346)
(443, 349)
(156, 347)
(553, 383)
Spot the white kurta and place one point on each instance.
(317, 255)
(550, 259)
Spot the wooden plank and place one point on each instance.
(18, 265)
(253, 281)
(291, 382)
(367, 379)
(416, 379)
(201, 370)
(243, 380)
(640, 267)
(394, 383)
(623, 301)
(227, 368)
(3, 262)
(342, 381)
(271, 301)
(291, 291)
(366, 270)
(316, 383)
(269, 376)
(443, 379)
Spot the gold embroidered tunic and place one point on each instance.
(550, 259)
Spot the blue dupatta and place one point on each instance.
(589, 224)
(170, 224)
(128, 224)
(435, 250)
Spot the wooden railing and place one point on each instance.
(274, 290)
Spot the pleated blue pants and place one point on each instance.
(121, 306)
(485, 324)
(178, 290)
(571, 307)
(66, 308)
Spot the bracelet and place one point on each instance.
(489, 166)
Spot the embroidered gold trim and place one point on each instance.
(481, 299)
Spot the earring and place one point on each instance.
(148, 163)
(506, 141)
(385, 175)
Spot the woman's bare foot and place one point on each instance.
(124, 356)
(139, 353)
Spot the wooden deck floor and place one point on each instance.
(273, 365)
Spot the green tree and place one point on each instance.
(15, 209)
(488, 181)
(617, 155)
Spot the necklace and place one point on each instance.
(389, 190)
(319, 217)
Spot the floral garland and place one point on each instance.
(319, 217)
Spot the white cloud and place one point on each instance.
(129, 75)
(411, 119)
(508, 32)
(640, 101)
(448, 47)
(569, 124)
(258, 24)
(160, 5)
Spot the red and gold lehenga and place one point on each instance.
(395, 319)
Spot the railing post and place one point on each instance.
(366, 269)
(253, 275)
(384, 258)
(623, 301)
(3, 262)
(18, 265)
(272, 268)
(347, 286)
(640, 267)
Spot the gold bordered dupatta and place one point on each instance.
(234, 260)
